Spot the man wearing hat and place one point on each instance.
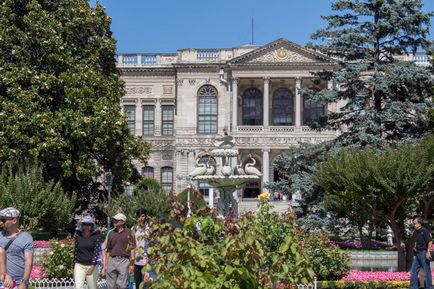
(117, 262)
(17, 246)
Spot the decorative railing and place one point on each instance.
(208, 55)
(63, 283)
(421, 59)
(68, 283)
(280, 129)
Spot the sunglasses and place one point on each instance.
(87, 224)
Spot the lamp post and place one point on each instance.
(109, 182)
(189, 191)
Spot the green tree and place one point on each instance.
(389, 185)
(148, 194)
(60, 93)
(43, 205)
(386, 100)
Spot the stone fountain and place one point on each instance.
(226, 176)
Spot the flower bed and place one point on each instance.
(376, 245)
(363, 285)
(361, 276)
(41, 244)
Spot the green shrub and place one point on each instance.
(328, 261)
(148, 194)
(208, 252)
(43, 205)
(59, 262)
(196, 199)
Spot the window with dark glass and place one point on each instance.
(130, 112)
(207, 110)
(252, 107)
(148, 120)
(167, 178)
(167, 120)
(282, 107)
(312, 111)
(148, 172)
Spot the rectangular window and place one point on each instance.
(167, 120)
(130, 112)
(167, 178)
(148, 120)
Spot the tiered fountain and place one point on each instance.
(228, 177)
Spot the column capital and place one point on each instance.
(266, 150)
(266, 80)
(235, 80)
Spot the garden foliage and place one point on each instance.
(261, 250)
(59, 261)
(148, 194)
(43, 204)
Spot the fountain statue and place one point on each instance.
(228, 177)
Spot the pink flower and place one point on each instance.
(41, 244)
(361, 276)
(37, 272)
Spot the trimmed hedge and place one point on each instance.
(363, 285)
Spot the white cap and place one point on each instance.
(120, 217)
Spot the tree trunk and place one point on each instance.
(400, 246)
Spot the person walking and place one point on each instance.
(140, 234)
(422, 256)
(87, 247)
(117, 261)
(16, 252)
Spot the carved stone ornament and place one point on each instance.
(192, 82)
(167, 89)
(281, 55)
(138, 90)
(180, 82)
(167, 156)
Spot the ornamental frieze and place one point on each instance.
(161, 144)
(138, 90)
(281, 55)
(167, 89)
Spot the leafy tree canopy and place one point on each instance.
(381, 101)
(60, 93)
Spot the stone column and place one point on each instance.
(297, 102)
(234, 103)
(265, 168)
(157, 119)
(211, 197)
(139, 120)
(266, 101)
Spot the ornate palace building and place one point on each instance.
(181, 102)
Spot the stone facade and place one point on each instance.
(181, 102)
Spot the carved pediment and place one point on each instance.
(282, 51)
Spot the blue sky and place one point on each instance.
(161, 26)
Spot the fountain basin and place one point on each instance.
(230, 181)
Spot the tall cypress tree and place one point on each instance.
(60, 92)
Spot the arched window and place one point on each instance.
(167, 178)
(207, 109)
(148, 172)
(252, 107)
(282, 107)
(312, 111)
